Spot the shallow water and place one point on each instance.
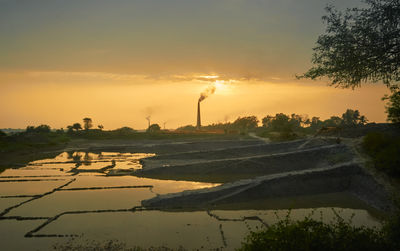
(95, 196)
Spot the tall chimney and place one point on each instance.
(148, 120)
(198, 116)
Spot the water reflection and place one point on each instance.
(97, 194)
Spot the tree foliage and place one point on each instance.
(301, 123)
(77, 126)
(244, 124)
(393, 105)
(87, 123)
(353, 118)
(359, 45)
(38, 129)
(153, 128)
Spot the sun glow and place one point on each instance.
(223, 87)
(210, 77)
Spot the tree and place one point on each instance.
(353, 118)
(246, 123)
(295, 121)
(360, 45)
(77, 127)
(2, 134)
(153, 128)
(281, 123)
(267, 120)
(316, 123)
(101, 127)
(393, 105)
(60, 131)
(87, 123)
(70, 128)
(38, 129)
(333, 121)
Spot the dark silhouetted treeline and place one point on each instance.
(287, 127)
(32, 138)
(279, 127)
(283, 126)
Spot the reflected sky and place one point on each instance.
(100, 207)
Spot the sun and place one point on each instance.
(222, 86)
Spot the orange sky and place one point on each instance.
(122, 100)
(120, 61)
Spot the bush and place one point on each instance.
(186, 128)
(309, 234)
(384, 150)
(124, 131)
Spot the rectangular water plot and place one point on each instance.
(83, 200)
(12, 236)
(192, 230)
(158, 186)
(29, 187)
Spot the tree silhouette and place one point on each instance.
(77, 127)
(87, 123)
(266, 121)
(333, 121)
(353, 118)
(393, 105)
(245, 124)
(359, 45)
(38, 129)
(153, 128)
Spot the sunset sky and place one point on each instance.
(120, 61)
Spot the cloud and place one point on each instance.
(108, 78)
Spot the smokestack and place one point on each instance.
(148, 120)
(198, 116)
(207, 92)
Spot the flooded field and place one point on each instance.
(96, 196)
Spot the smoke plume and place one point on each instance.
(207, 92)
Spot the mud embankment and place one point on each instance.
(284, 170)
(158, 146)
(346, 177)
(236, 168)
